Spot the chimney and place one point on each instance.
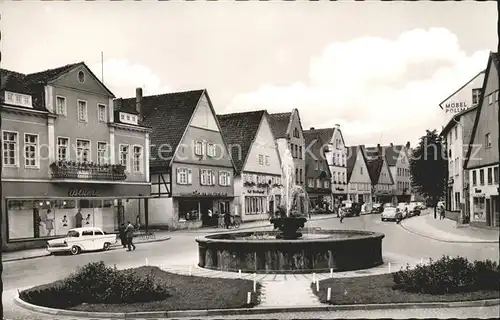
(392, 145)
(408, 145)
(311, 128)
(138, 100)
(337, 126)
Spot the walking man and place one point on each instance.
(122, 235)
(129, 232)
(342, 214)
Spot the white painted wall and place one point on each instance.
(265, 145)
(203, 116)
(456, 145)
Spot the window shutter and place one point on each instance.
(178, 175)
(228, 178)
(203, 148)
(213, 178)
(201, 176)
(189, 176)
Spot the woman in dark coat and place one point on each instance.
(121, 234)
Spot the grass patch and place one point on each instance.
(378, 289)
(184, 293)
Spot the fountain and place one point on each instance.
(286, 250)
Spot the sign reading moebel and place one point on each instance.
(456, 107)
(464, 97)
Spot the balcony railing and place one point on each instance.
(87, 171)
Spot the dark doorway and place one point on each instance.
(206, 205)
(488, 212)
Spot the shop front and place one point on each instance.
(339, 194)
(38, 211)
(484, 209)
(320, 201)
(196, 209)
(257, 203)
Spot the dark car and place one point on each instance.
(354, 210)
(377, 208)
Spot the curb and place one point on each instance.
(443, 240)
(257, 310)
(48, 254)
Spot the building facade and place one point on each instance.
(358, 176)
(287, 129)
(256, 158)
(67, 161)
(380, 175)
(482, 159)
(399, 164)
(190, 167)
(318, 174)
(336, 156)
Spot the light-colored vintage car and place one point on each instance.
(82, 239)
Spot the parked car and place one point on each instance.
(413, 209)
(391, 213)
(82, 239)
(404, 209)
(377, 208)
(354, 210)
(421, 205)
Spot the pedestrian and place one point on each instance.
(441, 214)
(129, 232)
(342, 214)
(227, 219)
(121, 233)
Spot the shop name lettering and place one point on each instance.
(455, 107)
(256, 191)
(196, 193)
(83, 193)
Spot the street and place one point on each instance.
(181, 251)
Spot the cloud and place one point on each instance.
(123, 77)
(375, 87)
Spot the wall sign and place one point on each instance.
(456, 107)
(80, 192)
(256, 191)
(201, 194)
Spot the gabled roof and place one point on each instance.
(375, 161)
(495, 58)
(451, 95)
(392, 154)
(279, 124)
(317, 147)
(126, 105)
(34, 83)
(169, 116)
(240, 129)
(352, 156)
(325, 134)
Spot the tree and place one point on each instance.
(429, 167)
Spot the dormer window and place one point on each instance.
(128, 118)
(18, 99)
(476, 94)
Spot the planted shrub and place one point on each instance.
(449, 275)
(96, 283)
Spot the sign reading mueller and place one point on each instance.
(455, 107)
(83, 193)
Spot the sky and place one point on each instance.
(379, 69)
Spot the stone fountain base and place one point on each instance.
(288, 227)
(340, 250)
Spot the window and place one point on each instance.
(224, 178)
(481, 177)
(207, 177)
(343, 177)
(318, 183)
(261, 159)
(62, 149)
(361, 170)
(137, 162)
(184, 176)
(10, 148)
(301, 177)
(198, 148)
(81, 76)
(267, 160)
(102, 148)
(61, 105)
(300, 152)
(30, 150)
(296, 133)
(490, 99)
(495, 174)
(326, 184)
(297, 181)
(83, 150)
(210, 149)
(456, 132)
(451, 169)
(476, 94)
(296, 151)
(457, 169)
(101, 109)
(124, 155)
(488, 140)
(474, 178)
(310, 182)
(490, 175)
(82, 110)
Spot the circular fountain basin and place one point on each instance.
(316, 251)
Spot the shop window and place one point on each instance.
(255, 205)
(188, 210)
